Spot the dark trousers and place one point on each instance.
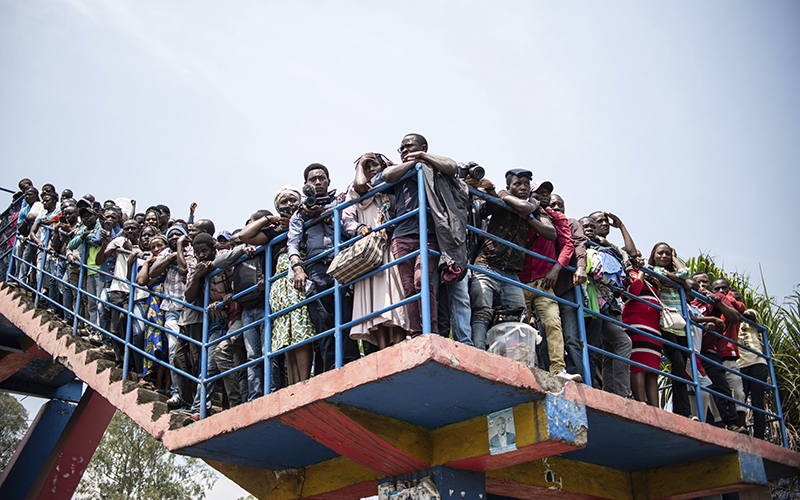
(572, 336)
(118, 324)
(756, 392)
(411, 278)
(322, 315)
(187, 359)
(677, 358)
(719, 383)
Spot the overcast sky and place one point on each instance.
(681, 117)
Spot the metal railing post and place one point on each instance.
(424, 289)
(337, 291)
(81, 277)
(266, 338)
(129, 325)
(701, 411)
(587, 369)
(778, 409)
(204, 348)
(44, 265)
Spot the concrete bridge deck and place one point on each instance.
(415, 408)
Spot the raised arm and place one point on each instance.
(252, 235)
(616, 222)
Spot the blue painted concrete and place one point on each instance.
(452, 484)
(45, 371)
(565, 418)
(753, 471)
(432, 395)
(268, 445)
(42, 438)
(637, 446)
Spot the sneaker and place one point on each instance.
(183, 411)
(572, 377)
(736, 428)
(696, 419)
(174, 402)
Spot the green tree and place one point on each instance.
(130, 464)
(13, 424)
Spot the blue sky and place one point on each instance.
(681, 117)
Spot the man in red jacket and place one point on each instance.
(730, 351)
(542, 275)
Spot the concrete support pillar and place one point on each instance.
(450, 483)
(51, 459)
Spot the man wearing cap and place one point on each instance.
(542, 275)
(318, 238)
(510, 223)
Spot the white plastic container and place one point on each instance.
(515, 341)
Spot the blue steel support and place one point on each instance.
(44, 266)
(129, 324)
(587, 369)
(204, 348)
(337, 292)
(692, 356)
(424, 289)
(33, 450)
(778, 409)
(79, 291)
(267, 338)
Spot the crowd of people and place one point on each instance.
(156, 266)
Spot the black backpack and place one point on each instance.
(246, 275)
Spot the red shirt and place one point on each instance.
(535, 268)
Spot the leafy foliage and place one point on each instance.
(130, 464)
(13, 424)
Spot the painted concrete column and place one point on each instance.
(444, 483)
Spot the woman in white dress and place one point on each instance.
(384, 288)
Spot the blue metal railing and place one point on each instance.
(14, 264)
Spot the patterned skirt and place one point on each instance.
(294, 326)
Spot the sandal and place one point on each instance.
(147, 384)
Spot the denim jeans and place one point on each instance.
(94, 287)
(484, 291)
(215, 330)
(171, 323)
(67, 295)
(454, 309)
(56, 267)
(229, 354)
(572, 336)
(254, 346)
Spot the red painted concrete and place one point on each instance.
(513, 489)
(330, 427)
(13, 362)
(67, 462)
(360, 490)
